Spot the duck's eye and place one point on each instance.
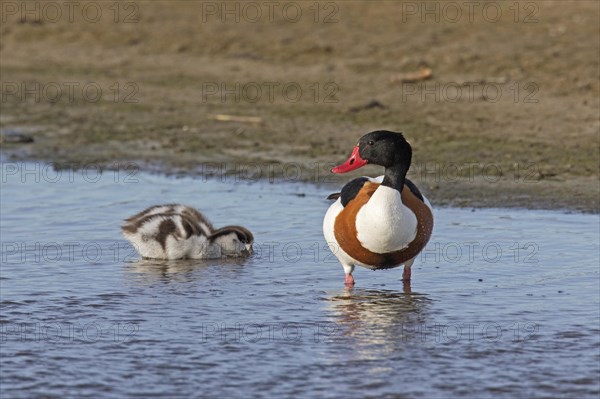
(371, 142)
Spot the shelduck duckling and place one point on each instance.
(383, 222)
(176, 231)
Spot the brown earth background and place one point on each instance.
(509, 117)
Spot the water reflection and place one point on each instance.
(151, 271)
(379, 322)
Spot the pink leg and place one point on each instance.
(349, 280)
(406, 274)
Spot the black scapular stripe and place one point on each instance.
(414, 189)
(352, 188)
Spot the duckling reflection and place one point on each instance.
(379, 321)
(151, 271)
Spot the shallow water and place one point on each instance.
(505, 303)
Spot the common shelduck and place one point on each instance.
(383, 222)
(176, 231)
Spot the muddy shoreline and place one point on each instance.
(501, 113)
(528, 191)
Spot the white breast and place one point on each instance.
(384, 223)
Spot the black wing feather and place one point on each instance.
(351, 189)
(411, 186)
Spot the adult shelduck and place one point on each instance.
(175, 231)
(383, 222)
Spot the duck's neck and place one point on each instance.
(394, 176)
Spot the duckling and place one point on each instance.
(175, 231)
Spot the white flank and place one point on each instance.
(346, 260)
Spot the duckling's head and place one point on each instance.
(233, 240)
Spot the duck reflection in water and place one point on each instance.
(379, 320)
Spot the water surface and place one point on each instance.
(505, 303)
